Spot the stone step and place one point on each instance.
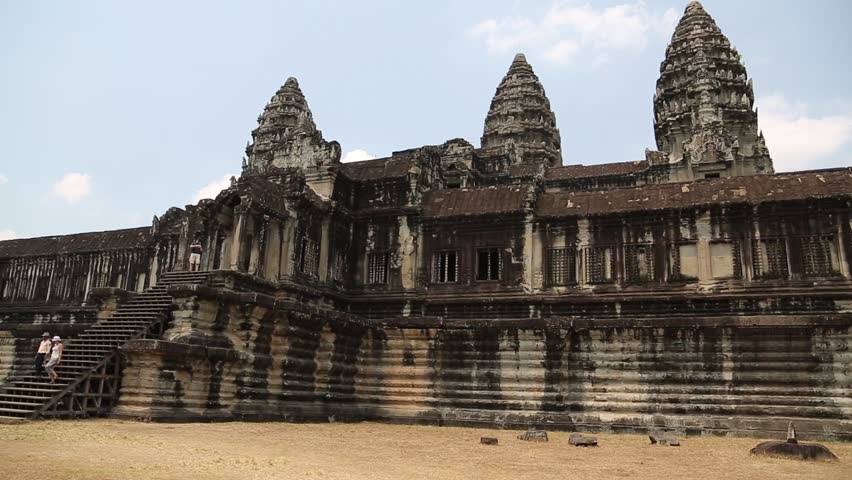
(46, 386)
(97, 356)
(92, 346)
(78, 361)
(12, 397)
(26, 405)
(105, 337)
(134, 326)
(13, 411)
(101, 333)
(34, 389)
(117, 330)
(145, 307)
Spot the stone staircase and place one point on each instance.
(90, 371)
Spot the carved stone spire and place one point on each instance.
(520, 115)
(287, 136)
(282, 113)
(703, 106)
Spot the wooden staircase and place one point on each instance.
(90, 370)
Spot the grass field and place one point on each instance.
(109, 449)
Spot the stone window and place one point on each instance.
(600, 264)
(309, 257)
(489, 264)
(445, 267)
(819, 255)
(721, 260)
(562, 266)
(338, 267)
(683, 261)
(377, 268)
(770, 258)
(638, 263)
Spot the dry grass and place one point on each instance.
(108, 449)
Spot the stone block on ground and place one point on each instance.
(799, 451)
(534, 436)
(793, 449)
(582, 441)
(670, 442)
(488, 441)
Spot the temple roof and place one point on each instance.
(470, 202)
(77, 243)
(722, 191)
(380, 168)
(520, 113)
(601, 170)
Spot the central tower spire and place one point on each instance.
(520, 115)
(703, 107)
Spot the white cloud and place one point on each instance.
(73, 187)
(357, 155)
(798, 140)
(562, 52)
(3, 179)
(212, 189)
(8, 235)
(567, 31)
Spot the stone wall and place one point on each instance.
(242, 356)
(7, 354)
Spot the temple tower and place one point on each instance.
(287, 137)
(520, 117)
(703, 107)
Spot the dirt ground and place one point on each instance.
(109, 449)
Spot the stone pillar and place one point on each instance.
(324, 249)
(237, 237)
(210, 247)
(537, 256)
(528, 253)
(288, 250)
(272, 258)
(154, 269)
(702, 246)
(258, 266)
(182, 261)
(583, 241)
(408, 254)
(842, 260)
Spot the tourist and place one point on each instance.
(55, 359)
(194, 255)
(43, 350)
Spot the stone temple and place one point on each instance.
(693, 290)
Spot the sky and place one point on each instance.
(113, 112)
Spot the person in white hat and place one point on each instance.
(55, 358)
(43, 350)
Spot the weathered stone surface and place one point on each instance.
(533, 436)
(578, 440)
(793, 449)
(666, 441)
(798, 451)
